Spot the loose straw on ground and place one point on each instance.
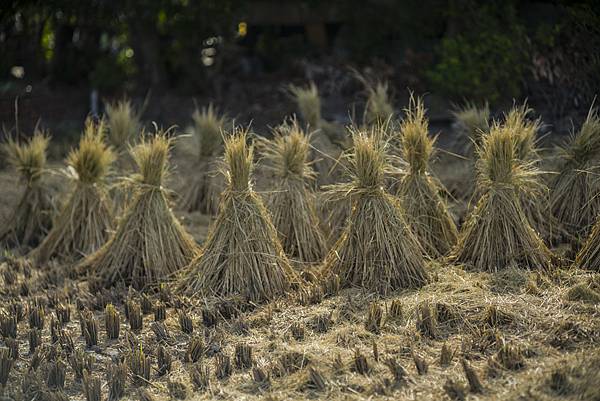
(32, 217)
(291, 201)
(377, 250)
(202, 193)
(149, 244)
(497, 234)
(83, 223)
(242, 254)
(418, 190)
(575, 194)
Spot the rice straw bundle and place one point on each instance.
(202, 194)
(497, 234)
(325, 153)
(536, 205)
(379, 107)
(575, 196)
(123, 124)
(242, 254)
(470, 124)
(426, 211)
(588, 256)
(32, 217)
(149, 244)
(308, 103)
(291, 202)
(82, 226)
(377, 250)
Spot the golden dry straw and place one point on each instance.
(291, 201)
(242, 254)
(149, 244)
(31, 219)
(497, 234)
(377, 250)
(203, 190)
(575, 195)
(82, 225)
(419, 191)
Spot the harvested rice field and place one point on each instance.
(315, 261)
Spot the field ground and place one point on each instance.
(526, 336)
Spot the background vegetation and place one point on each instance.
(460, 49)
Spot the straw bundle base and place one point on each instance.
(80, 229)
(427, 214)
(294, 215)
(242, 255)
(203, 192)
(31, 219)
(377, 250)
(497, 235)
(148, 246)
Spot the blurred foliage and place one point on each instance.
(486, 58)
(481, 50)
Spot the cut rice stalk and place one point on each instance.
(291, 201)
(497, 234)
(149, 243)
(32, 217)
(82, 226)
(242, 254)
(377, 250)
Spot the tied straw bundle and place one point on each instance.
(292, 202)
(202, 193)
(575, 196)
(377, 250)
(242, 255)
(32, 217)
(83, 223)
(497, 233)
(419, 191)
(149, 243)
